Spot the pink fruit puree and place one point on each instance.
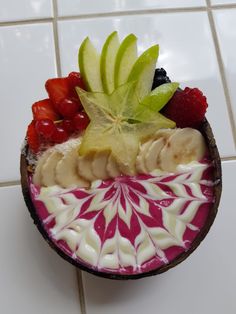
(158, 217)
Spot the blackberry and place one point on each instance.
(160, 77)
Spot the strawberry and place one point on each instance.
(32, 137)
(44, 109)
(58, 89)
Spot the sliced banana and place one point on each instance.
(85, 167)
(112, 167)
(152, 155)
(66, 171)
(48, 169)
(140, 162)
(37, 177)
(99, 165)
(184, 146)
(165, 133)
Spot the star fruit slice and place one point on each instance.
(110, 129)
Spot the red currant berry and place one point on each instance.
(68, 107)
(75, 79)
(80, 121)
(45, 127)
(59, 135)
(67, 125)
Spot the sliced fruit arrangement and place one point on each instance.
(168, 148)
(61, 115)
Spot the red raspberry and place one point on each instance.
(187, 108)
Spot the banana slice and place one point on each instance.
(140, 162)
(48, 169)
(165, 133)
(37, 177)
(99, 165)
(66, 171)
(112, 167)
(85, 167)
(152, 155)
(184, 146)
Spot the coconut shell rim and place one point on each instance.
(206, 130)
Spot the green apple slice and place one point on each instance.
(160, 96)
(125, 59)
(89, 64)
(107, 63)
(143, 71)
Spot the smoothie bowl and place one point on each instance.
(120, 170)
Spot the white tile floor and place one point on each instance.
(225, 25)
(33, 278)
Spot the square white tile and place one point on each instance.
(204, 283)
(186, 52)
(27, 59)
(225, 21)
(12, 10)
(222, 2)
(34, 279)
(74, 7)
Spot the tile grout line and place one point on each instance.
(9, 183)
(132, 12)
(228, 158)
(81, 291)
(113, 14)
(26, 22)
(56, 37)
(223, 6)
(222, 70)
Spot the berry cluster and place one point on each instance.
(187, 108)
(55, 119)
(160, 77)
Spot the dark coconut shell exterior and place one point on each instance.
(217, 178)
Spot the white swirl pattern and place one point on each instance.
(128, 221)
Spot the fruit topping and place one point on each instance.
(68, 107)
(125, 59)
(44, 109)
(58, 89)
(68, 126)
(160, 77)
(110, 127)
(75, 79)
(32, 137)
(143, 70)
(80, 121)
(59, 135)
(107, 64)
(187, 108)
(45, 127)
(89, 64)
